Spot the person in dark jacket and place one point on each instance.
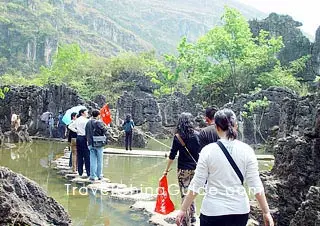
(209, 134)
(187, 160)
(72, 139)
(128, 126)
(95, 128)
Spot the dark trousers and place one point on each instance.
(62, 131)
(225, 220)
(128, 140)
(83, 155)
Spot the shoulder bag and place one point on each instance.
(184, 145)
(97, 141)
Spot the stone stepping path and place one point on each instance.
(145, 153)
(144, 202)
(135, 197)
(147, 207)
(48, 139)
(116, 191)
(150, 153)
(85, 180)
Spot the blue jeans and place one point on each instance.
(96, 162)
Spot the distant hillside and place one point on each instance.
(30, 30)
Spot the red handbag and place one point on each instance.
(164, 205)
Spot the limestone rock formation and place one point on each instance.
(23, 202)
(116, 136)
(289, 186)
(308, 213)
(21, 135)
(31, 101)
(315, 54)
(296, 44)
(153, 115)
(264, 118)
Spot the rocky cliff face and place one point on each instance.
(155, 116)
(292, 187)
(296, 44)
(308, 213)
(258, 125)
(30, 102)
(23, 202)
(315, 54)
(30, 30)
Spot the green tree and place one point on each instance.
(284, 76)
(66, 61)
(228, 60)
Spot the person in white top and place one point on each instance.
(83, 153)
(226, 202)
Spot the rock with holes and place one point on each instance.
(23, 202)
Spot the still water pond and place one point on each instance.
(33, 161)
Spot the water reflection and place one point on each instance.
(34, 161)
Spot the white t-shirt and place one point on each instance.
(225, 194)
(79, 126)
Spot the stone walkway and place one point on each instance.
(115, 191)
(150, 153)
(144, 153)
(144, 203)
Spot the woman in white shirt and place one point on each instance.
(226, 202)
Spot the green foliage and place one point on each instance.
(17, 79)
(92, 75)
(252, 106)
(278, 77)
(3, 92)
(231, 61)
(225, 62)
(284, 76)
(164, 76)
(65, 63)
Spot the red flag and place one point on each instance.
(164, 205)
(105, 114)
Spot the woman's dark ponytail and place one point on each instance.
(232, 133)
(226, 120)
